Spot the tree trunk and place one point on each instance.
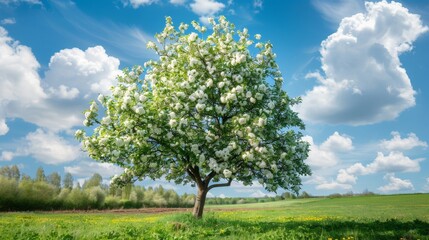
(199, 202)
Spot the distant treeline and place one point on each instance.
(21, 193)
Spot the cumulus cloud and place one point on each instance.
(74, 77)
(210, 195)
(337, 143)
(257, 4)
(254, 190)
(345, 178)
(87, 169)
(206, 8)
(50, 148)
(325, 155)
(20, 85)
(73, 71)
(222, 195)
(16, 2)
(323, 184)
(139, 3)
(260, 194)
(395, 184)
(400, 144)
(47, 147)
(8, 21)
(6, 156)
(391, 163)
(177, 2)
(333, 186)
(363, 79)
(3, 127)
(394, 162)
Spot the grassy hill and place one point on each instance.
(381, 207)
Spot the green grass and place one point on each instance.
(371, 217)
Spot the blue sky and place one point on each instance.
(361, 70)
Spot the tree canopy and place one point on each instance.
(207, 112)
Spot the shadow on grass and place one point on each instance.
(212, 227)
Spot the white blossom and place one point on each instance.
(192, 37)
(227, 173)
(150, 45)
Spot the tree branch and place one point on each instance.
(209, 177)
(220, 185)
(195, 172)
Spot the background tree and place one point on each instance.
(25, 177)
(68, 181)
(207, 112)
(40, 175)
(5, 172)
(14, 173)
(55, 180)
(94, 181)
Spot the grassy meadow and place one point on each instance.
(364, 217)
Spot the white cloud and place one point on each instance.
(394, 162)
(8, 21)
(206, 8)
(73, 78)
(177, 2)
(325, 155)
(50, 148)
(364, 81)
(239, 187)
(3, 127)
(7, 2)
(19, 80)
(400, 144)
(395, 184)
(88, 168)
(345, 178)
(140, 3)
(258, 194)
(323, 184)
(258, 4)
(210, 195)
(335, 11)
(314, 179)
(333, 186)
(6, 156)
(91, 71)
(337, 143)
(222, 195)
(46, 147)
(254, 190)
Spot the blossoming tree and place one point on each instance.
(206, 112)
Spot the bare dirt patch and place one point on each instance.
(146, 210)
(124, 211)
